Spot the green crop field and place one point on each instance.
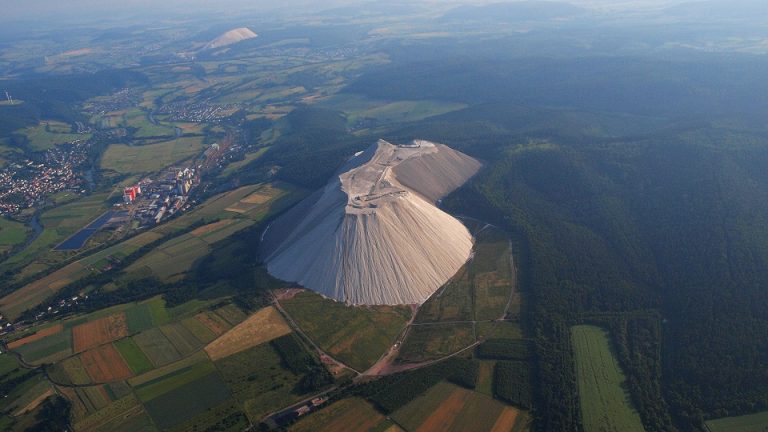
(12, 233)
(182, 339)
(491, 272)
(187, 400)
(133, 356)
(249, 157)
(358, 336)
(258, 380)
(48, 349)
(433, 341)
(452, 303)
(481, 289)
(138, 119)
(159, 386)
(60, 223)
(199, 330)
(49, 133)
(605, 404)
(151, 157)
(157, 374)
(92, 398)
(157, 347)
(177, 256)
(70, 371)
(145, 315)
(170, 259)
(231, 314)
(120, 411)
(499, 329)
(747, 423)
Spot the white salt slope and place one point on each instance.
(231, 37)
(373, 234)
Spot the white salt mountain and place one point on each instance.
(373, 234)
(231, 37)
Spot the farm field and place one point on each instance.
(433, 341)
(501, 329)
(452, 302)
(249, 157)
(213, 322)
(481, 289)
(182, 339)
(31, 398)
(58, 224)
(154, 388)
(187, 400)
(263, 326)
(122, 411)
(136, 119)
(49, 133)
(37, 291)
(346, 415)
(747, 423)
(39, 334)
(357, 336)
(258, 201)
(12, 233)
(605, 404)
(70, 371)
(25, 385)
(238, 209)
(127, 159)
(102, 330)
(51, 348)
(104, 364)
(157, 347)
(167, 370)
(446, 407)
(145, 315)
(493, 277)
(259, 382)
(134, 356)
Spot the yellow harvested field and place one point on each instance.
(443, 417)
(262, 195)
(263, 326)
(205, 229)
(506, 420)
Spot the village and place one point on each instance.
(25, 183)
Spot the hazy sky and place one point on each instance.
(65, 11)
(28, 9)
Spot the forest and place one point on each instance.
(649, 219)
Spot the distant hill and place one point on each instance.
(513, 11)
(714, 10)
(231, 37)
